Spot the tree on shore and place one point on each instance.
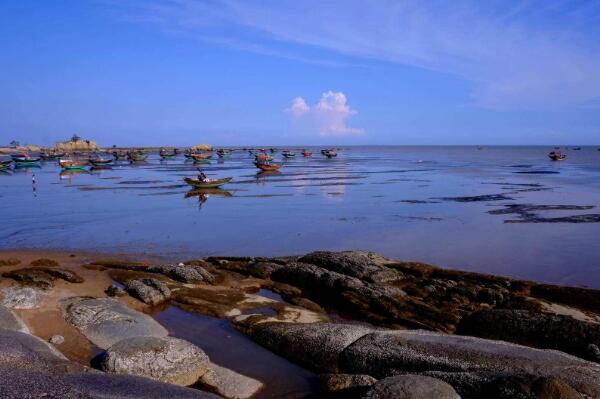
(14, 143)
(75, 138)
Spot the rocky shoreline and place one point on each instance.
(82, 326)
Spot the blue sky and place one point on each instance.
(243, 72)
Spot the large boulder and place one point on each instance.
(183, 273)
(411, 387)
(168, 359)
(148, 290)
(115, 386)
(350, 385)
(21, 297)
(314, 345)
(378, 303)
(32, 368)
(367, 266)
(540, 330)
(23, 350)
(105, 321)
(388, 353)
(229, 384)
(10, 321)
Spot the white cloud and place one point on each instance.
(328, 117)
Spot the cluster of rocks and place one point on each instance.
(136, 344)
(32, 368)
(353, 356)
(348, 316)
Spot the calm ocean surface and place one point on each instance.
(404, 202)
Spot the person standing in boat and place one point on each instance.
(202, 177)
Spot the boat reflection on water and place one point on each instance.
(205, 193)
(262, 176)
(68, 174)
(26, 169)
(98, 169)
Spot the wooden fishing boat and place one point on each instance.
(306, 153)
(69, 164)
(6, 162)
(288, 154)
(167, 156)
(576, 148)
(48, 156)
(25, 160)
(557, 156)
(119, 155)
(330, 153)
(100, 161)
(263, 158)
(223, 153)
(201, 157)
(267, 166)
(137, 156)
(210, 184)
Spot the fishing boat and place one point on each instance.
(100, 161)
(166, 154)
(51, 156)
(69, 164)
(576, 148)
(137, 156)
(200, 157)
(5, 164)
(24, 159)
(207, 184)
(119, 155)
(267, 166)
(263, 158)
(306, 153)
(223, 153)
(329, 153)
(288, 154)
(273, 150)
(557, 156)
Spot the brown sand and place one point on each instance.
(47, 320)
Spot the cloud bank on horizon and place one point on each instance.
(519, 55)
(328, 117)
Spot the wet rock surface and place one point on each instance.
(42, 277)
(468, 364)
(367, 266)
(411, 387)
(186, 274)
(317, 346)
(346, 385)
(546, 331)
(168, 359)
(148, 290)
(114, 290)
(479, 198)
(286, 304)
(106, 321)
(529, 213)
